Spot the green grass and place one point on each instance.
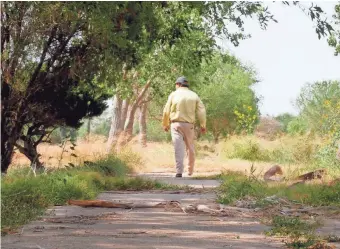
(291, 226)
(135, 184)
(211, 177)
(236, 186)
(299, 150)
(24, 196)
(301, 233)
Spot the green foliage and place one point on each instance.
(238, 186)
(250, 150)
(297, 126)
(299, 150)
(320, 106)
(285, 119)
(225, 89)
(320, 109)
(316, 195)
(110, 166)
(24, 197)
(55, 137)
(136, 184)
(334, 39)
(295, 228)
(156, 133)
(103, 128)
(325, 157)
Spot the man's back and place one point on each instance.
(182, 106)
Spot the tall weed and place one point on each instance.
(24, 196)
(237, 186)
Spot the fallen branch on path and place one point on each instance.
(110, 204)
(220, 210)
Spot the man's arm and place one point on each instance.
(166, 113)
(201, 113)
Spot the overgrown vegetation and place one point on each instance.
(301, 233)
(237, 186)
(24, 197)
(308, 152)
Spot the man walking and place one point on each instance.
(180, 111)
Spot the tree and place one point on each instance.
(90, 42)
(284, 119)
(334, 40)
(225, 88)
(64, 40)
(297, 126)
(188, 36)
(319, 105)
(70, 105)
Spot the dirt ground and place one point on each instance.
(156, 157)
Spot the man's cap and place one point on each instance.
(182, 80)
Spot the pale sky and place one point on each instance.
(286, 56)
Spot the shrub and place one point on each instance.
(24, 196)
(236, 186)
(156, 133)
(251, 151)
(112, 165)
(297, 126)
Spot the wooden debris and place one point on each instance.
(272, 172)
(97, 203)
(110, 204)
(317, 174)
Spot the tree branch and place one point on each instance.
(142, 93)
(20, 148)
(62, 46)
(42, 57)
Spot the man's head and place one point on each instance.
(182, 82)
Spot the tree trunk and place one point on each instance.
(11, 125)
(115, 123)
(126, 135)
(30, 151)
(88, 131)
(216, 136)
(128, 128)
(125, 108)
(142, 125)
(7, 149)
(63, 133)
(216, 139)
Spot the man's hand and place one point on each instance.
(203, 130)
(166, 128)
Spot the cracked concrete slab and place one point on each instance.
(99, 228)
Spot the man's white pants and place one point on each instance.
(183, 135)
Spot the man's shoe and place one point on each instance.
(178, 175)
